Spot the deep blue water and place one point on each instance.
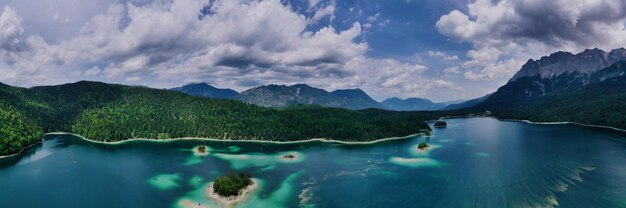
(475, 162)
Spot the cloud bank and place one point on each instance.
(506, 33)
(229, 43)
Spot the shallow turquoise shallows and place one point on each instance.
(475, 162)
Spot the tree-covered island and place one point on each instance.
(289, 157)
(231, 184)
(231, 188)
(422, 146)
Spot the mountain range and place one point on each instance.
(539, 86)
(411, 104)
(206, 90)
(467, 104)
(588, 87)
(281, 96)
(558, 73)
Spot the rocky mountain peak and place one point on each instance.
(586, 63)
(616, 54)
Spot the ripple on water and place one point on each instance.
(196, 181)
(165, 182)
(481, 154)
(558, 180)
(279, 197)
(234, 149)
(193, 160)
(305, 197)
(416, 162)
(196, 198)
(386, 173)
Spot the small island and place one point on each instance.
(440, 124)
(289, 157)
(423, 146)
(231, 188)
(201, 150)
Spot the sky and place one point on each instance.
(437, 49)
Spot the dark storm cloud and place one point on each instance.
(553, 23)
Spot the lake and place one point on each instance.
(474, 162)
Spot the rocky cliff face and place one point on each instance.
(558, 73)
(559, 63)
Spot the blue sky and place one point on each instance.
(437, 49)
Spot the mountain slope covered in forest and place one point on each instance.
(109, 112)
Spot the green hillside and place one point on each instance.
(602, 103)
(108, 112)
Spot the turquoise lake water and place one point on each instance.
(474, 162)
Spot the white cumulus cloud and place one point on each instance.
(229, 43)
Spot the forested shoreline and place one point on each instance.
(602, 104)
(109, 112)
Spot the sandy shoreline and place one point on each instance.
(22, 150)
(565, 122)
(307, 140)
(219, 140)
(226, 201)
(537, 122)
(231, 140)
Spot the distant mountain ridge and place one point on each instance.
(206, 90)
(283, 96)
(411, 104)
(355, 98)
(466, 104)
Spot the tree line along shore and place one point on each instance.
(110, 112)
